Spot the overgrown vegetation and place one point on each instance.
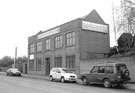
(7, 62)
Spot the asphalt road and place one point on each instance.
(10, 84)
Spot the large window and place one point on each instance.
(32, 48)
(58, 62)
(48, 43)
(58, 41)
(39, 46)
(70, 61)
(31, 65)
(70, 39)
(38, 65)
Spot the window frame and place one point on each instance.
(32, 48)
(58, 41)
(39, 46)
(58, 61)
(38, 66)
(48, 44)
(70, 62)
(70, 38)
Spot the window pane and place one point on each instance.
(70, 62)
(95, 70)
(70, 39)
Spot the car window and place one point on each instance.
(66, 71)
(53, 70)
(95, 69)
(101, 69)
(57, 70)
(109, 69)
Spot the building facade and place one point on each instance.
(67, 44)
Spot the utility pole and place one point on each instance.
(15, 56)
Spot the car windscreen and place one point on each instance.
(66, 71)
(120, 68)
(15, 70)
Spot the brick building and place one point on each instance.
(67, 44)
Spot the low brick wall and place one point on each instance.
(86, 65)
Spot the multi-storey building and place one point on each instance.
(68, 44)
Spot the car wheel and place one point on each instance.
(84, 81)
(107, 83)
(51, 78)
(62, 79)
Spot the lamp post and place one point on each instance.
(15, 56)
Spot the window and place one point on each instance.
(38, 65)
(32, 49)
(70, 61)
(95, 69)
(31, 65)
(39, 46)
(48, 42)
(109, 69)
(58, 41)
(58, 62)
(101, 70)
(70, 39)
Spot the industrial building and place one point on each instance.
(68, 44)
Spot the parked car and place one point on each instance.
(107, 74)
(62, 74)
(13, 72)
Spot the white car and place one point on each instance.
(62, 74)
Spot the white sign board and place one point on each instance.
(32, 56)
(48, 33)
(94, 27)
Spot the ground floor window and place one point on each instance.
(70, 61)
(58, 62)
(38, 65)
(31, 65)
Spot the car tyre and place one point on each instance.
(107, 83)
(85, 81)
(51, 78)
(62, 79)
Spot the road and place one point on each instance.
(10, 84)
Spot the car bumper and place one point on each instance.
(122, 81)
(70, 79)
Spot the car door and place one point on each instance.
(92, 77)
(58, 74)
(101, 74)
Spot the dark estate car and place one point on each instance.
(13, 71)
(107, 74)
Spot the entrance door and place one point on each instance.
(47, 72)
(25, 68)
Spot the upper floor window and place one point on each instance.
(48, 44)
(58, 41)
(70, 39)
(32, 48)
(39, 46)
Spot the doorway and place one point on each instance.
(25, 69)
(47, 68)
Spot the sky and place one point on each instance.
(20, 19)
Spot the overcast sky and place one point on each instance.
(20, 19)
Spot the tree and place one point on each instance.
(127, 17)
